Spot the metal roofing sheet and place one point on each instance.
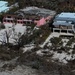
(36, 10)
(64, 19)
(67, 14)
(62, 23)
(3, 6)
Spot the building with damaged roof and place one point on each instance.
(30, 15)
(64, 21)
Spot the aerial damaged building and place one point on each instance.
(30, 15)
(64, 21)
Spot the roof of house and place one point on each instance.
(65, 16)
(68, 15)
(64, 19)
(37, 11)
(3, 6)
(62, 23)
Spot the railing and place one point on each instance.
(60, 30)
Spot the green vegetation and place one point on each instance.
(11, 1)
(58, 5)
(55, 41)
(72, 40)
(11, 11)
(45, 33)
(8, 53)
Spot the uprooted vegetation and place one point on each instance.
(42, 63)
(45, 63)
(9, 53)
(32, 57)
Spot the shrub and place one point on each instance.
(55, 40)
(70, 41)
(2, 26)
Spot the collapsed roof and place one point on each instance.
(36, 11)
